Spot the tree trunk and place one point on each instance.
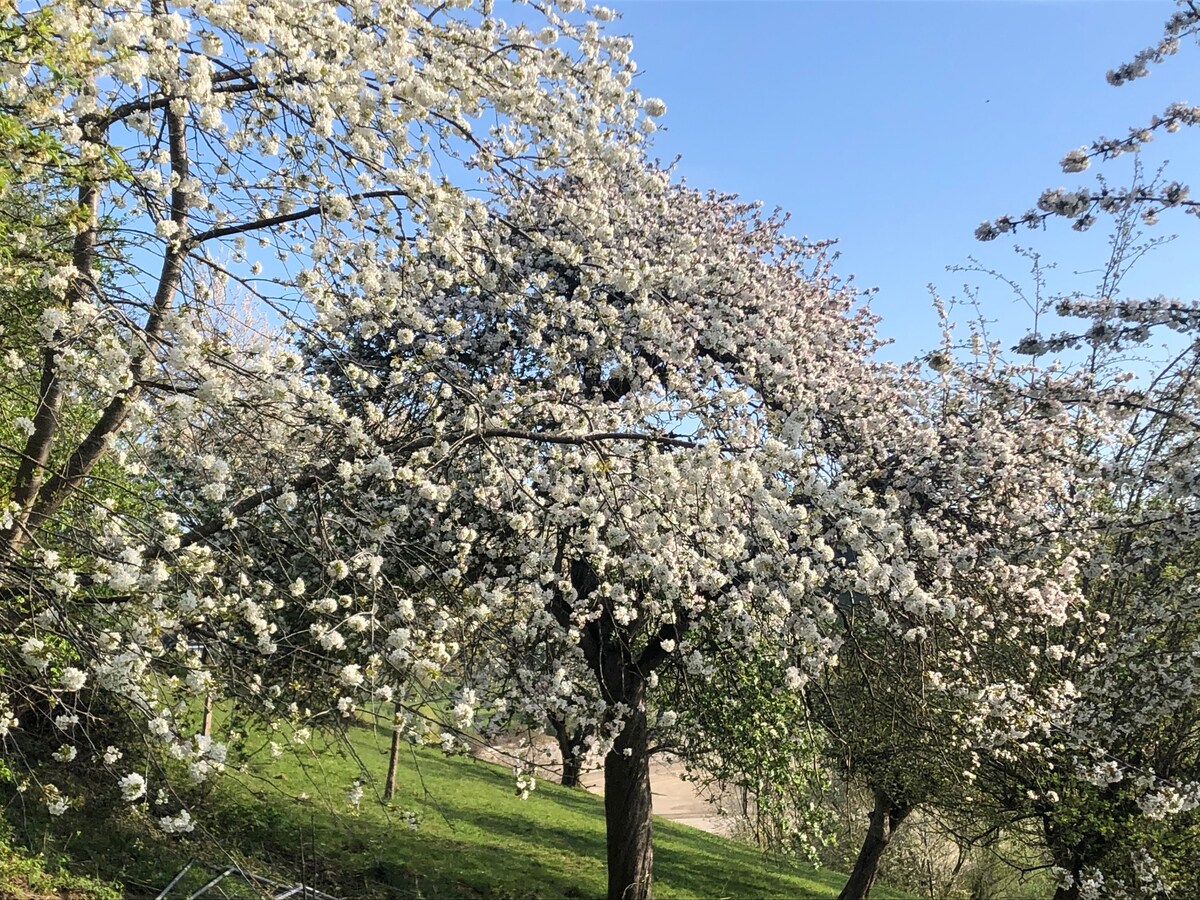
(207, 719)
(886, 817)
(572, 769)
(1072, 862)
(569, 741)
(627, 808)
(389, 786)
(1074, 850)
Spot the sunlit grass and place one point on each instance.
(290, 818)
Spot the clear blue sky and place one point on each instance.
(897, 127)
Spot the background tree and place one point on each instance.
(1132, 780)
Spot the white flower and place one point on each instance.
(654, 107)
(338, 206)
(33, 650)
(111, 755)
(986, 231)
(1076, 160)
(160, 728)
(53, 318)
(65, 754)
(133, 787)
(330, 640)
(8, 719)
(351, 676)
(795, 679)
(177, 824)
(72, 679)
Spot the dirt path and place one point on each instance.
(674, 798)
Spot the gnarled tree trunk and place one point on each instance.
(628, 806)
(886, 817)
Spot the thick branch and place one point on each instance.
(55, 491)
(28, 480)
(162, 101)
(400, 448)
(655, 655)
(272, 221)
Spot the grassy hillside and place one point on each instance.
(473, 837)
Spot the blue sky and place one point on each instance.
(897, 127)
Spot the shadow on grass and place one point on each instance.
(476, 839)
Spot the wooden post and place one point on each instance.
(206, 722)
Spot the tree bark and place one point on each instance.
(886, 817)
(628, 807)
(1072, 860)
(572, 771)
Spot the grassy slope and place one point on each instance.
(475, 837)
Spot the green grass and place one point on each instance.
(25, 875)
(475, 837)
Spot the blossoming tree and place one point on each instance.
(572, 426)
(645, 470)
(1121, 817)
(598, 493)
(269, 149)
